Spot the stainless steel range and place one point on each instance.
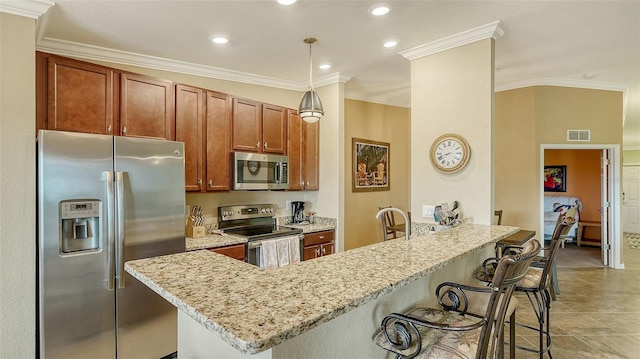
(257, 224)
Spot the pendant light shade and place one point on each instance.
(310, 109)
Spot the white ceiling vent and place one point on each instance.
(579, 135)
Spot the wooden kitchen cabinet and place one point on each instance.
(303, 151)
(274, 129)
(190, 130)
(318, 244)
(218, 151)
(146, 107)
(236, 251)
(258, 127)
(74, 96)
(202, 123)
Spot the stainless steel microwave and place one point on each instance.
(258, 171)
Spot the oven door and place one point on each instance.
(254, 250)
(257, 171)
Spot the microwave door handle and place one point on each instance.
(277, 172)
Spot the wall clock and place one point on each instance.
(450, 153)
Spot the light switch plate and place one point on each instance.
(428, 210)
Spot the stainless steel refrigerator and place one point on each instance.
(102, 201)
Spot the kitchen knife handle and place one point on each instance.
(120, 228)
(107, 176)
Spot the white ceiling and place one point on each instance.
(545, 42)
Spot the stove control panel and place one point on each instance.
(229, 213)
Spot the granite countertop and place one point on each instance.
(254, 309)
(212, 241)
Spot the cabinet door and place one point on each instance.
(326, 249)
(311, 252)
(294, 150)
(218, 133)
(146, 107)
(274, 129)
(236, 251)
(247, 131)
(310, 158)
(189, 129)
(79, 97)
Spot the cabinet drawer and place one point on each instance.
(318, 237)
(236, 251)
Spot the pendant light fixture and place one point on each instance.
(310, 109)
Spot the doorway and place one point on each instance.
(603, 198)
(631, 199)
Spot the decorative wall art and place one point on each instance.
(555, 178)
(370, 165)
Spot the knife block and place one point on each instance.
(194, 231)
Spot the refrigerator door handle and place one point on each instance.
(120, 228)
(107, 176)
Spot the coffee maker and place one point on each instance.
(297, 211)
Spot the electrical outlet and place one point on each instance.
(288, 205)
(428, 211)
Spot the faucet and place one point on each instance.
(407, 227)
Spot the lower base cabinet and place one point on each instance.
(318, 244)
(236, 251)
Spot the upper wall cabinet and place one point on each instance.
(303, 150)
(146, 107)
(190, 130)
(218, 133)
(74, 96)
(202, 123)
(258, 127)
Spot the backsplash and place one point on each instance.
(324, 221)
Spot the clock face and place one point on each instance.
(450, 153)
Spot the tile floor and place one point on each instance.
(597, 313)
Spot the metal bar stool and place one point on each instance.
(536, 285)
(456, 330)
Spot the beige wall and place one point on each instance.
(452, 92)
(378, 123)
(17, 187)
(631, 157)
(529, 117)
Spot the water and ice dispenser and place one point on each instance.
(80, 226)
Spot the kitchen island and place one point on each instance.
(324, 308)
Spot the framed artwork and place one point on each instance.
(555, 178)
(370, 165)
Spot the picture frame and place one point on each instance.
(370, 170)
(555, 179)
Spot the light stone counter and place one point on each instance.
(254, 310)
(212, 241)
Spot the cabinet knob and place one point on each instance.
(210, 183)
(200, 182)
(324, 250)
(258, 145)
(265, 146)
(109, 129)
(321, 237)
(124, 130)
(317, 251)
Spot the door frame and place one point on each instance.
(615, 193)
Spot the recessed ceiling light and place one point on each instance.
(380, 10)
(219, 40)
(286, 2)
(325, 66)
(390, 43)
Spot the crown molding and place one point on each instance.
(585, 84)
(97, 53)
(361, 97)
(491, 30)
(27, 8)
